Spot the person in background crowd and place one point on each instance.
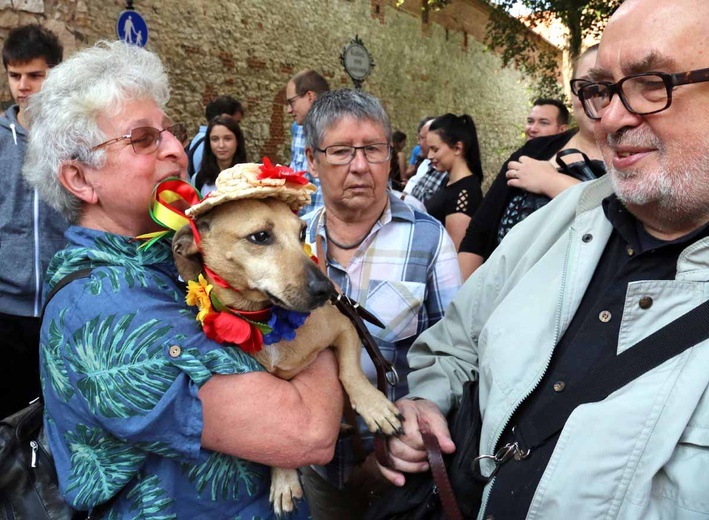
(548, 117)
(398, 160)
(418, 167)
(427, 181)
(220, 106)
(31, 231)
(398, 263)
(142, 410)
(583, 280)
(301, 92)
(530, 173)
(226, 148)
(414, 160)
(453, 147)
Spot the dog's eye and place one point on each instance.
(260, 238)
(302, 235)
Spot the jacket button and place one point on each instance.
(645, 302)
(587, 237)
(605, 316)
(630, 251)
(175, 351)
(559, 386)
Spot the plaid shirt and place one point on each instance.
(406, 273)
(300, 163)
(429, 184)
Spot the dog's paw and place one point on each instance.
(285, 490)
(380, 414)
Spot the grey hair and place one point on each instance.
(62, 117)
(329, 107)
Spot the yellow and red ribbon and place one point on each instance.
(170, 198)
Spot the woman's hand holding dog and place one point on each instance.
(407, 452)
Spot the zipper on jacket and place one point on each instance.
(14, 133)
(557, 326)
(37, 263)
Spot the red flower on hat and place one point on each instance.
(277, 171)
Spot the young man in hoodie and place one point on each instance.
(30, 232)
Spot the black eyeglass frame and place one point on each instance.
(576, 84)
(354, 152)
(290, 101)
(670, 81)
(177, 129)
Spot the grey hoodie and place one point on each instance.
(30, 231)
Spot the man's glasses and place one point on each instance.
(576, 84)
(641, 94)
(290, 101)
(339, 155)
(146, 139)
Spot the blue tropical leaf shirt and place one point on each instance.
(299, 162)
(122, 360)
(406, 273)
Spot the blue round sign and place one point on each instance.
(131, 28)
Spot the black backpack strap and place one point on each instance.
(81, 273)
(190, 156)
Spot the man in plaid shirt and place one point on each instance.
(398, 263)
(301, 91)
(429, 184)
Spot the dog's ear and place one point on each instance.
(188, 258)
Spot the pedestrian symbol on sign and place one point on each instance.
(131, 28)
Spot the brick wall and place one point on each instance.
(423, 64)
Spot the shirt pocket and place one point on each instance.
(397, 305)
(684, 479)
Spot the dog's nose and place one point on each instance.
(319, 286)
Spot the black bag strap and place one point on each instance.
(584, 173)
(63, 282)
(190, 156)
(674, 338)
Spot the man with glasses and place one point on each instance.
(586, 278)
(301, 91)
(397, 262)
(30, 231)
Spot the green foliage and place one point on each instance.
(519, 47)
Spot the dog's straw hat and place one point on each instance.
(257, 181)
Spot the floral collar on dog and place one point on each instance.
(249, 330)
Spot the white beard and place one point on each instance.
(680, 190)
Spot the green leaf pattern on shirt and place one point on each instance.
(222, 474)
(126, 377)
(100, 459)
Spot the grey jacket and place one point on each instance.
(640, 454)
(30, 231)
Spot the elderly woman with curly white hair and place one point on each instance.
(143, 412)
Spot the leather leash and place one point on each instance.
(440, 475)
(352, 310)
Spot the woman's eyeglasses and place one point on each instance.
(146, 139)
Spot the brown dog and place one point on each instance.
(256, 245)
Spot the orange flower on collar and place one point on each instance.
(198, 294)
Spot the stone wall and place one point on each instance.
(424, 64)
